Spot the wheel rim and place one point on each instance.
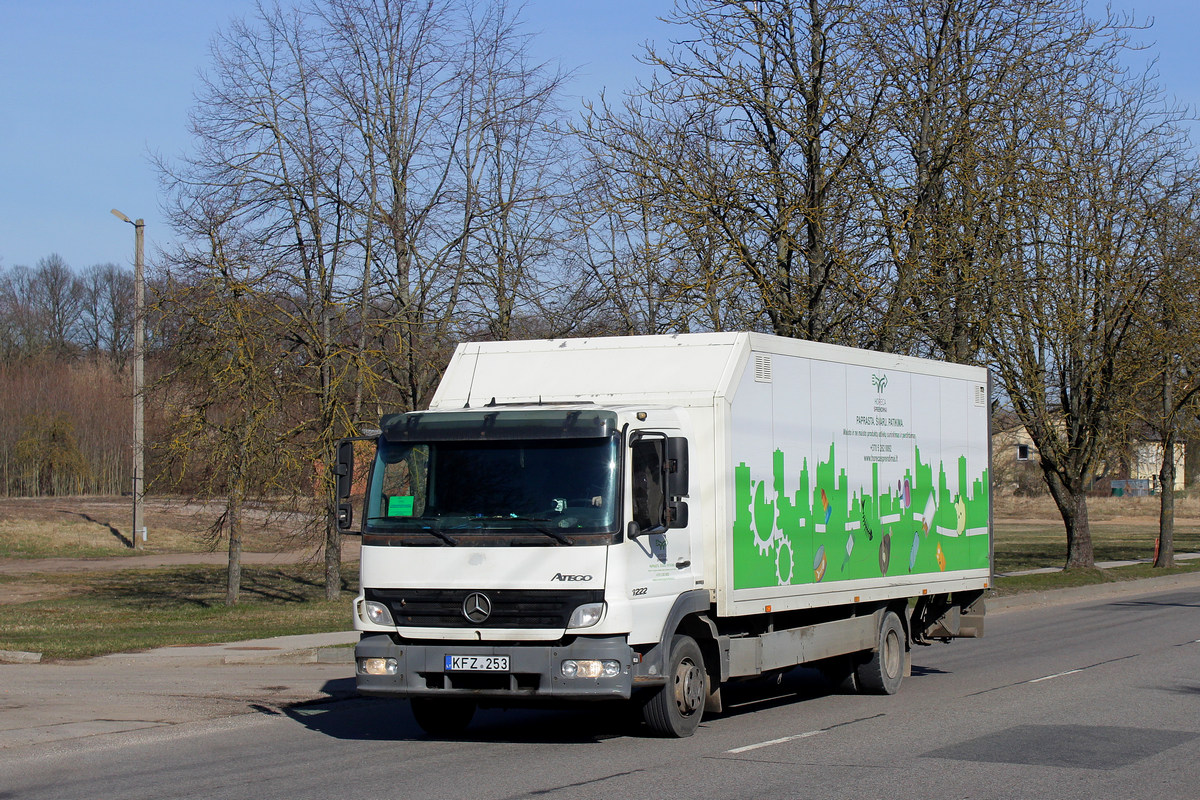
(891, 654)
(689, 687)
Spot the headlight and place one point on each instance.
(376, 613)
(591, 668)
(586, 615)
(378, 666)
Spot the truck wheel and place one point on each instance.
(442, 716)
(883, 669)
(675, 709)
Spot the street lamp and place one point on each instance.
(139, 341)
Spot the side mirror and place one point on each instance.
(677, 482)
(344, 469)
(677, 467)
(345, 517)
(633, 530)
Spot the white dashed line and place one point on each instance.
(749, 747)
(1055, 675)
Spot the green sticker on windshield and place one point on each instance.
(400, 507)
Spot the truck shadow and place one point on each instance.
(371, 719)
(380, 720)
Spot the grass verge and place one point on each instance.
(95, 527)
(1020, 548)
(1019, 584)
(129, 610)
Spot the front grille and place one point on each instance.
(511, 608)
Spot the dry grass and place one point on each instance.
(90, 527)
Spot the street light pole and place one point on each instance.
(139, 401)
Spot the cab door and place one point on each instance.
(661, 552)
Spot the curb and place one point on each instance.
(304, 655)
(19, 657)
(1096, 591)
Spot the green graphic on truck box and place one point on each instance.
(819, 530)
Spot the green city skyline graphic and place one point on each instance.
(823, 531)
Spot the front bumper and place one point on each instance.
(535, 669)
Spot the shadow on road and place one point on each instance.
(920, 672)
(379, 719)
(371, 719)
(1183, 601)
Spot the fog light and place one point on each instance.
(377, 613)
(379, 666)
(586, 615)
(591, 668)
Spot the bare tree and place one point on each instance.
(106, 313)
(1078, 269)
(1168, 335)
(268, 164)
(346, 148)
(782, 105)
(231, 416)
(938, 173)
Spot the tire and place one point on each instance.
(675, 709)
(442, 716)
(883, 668)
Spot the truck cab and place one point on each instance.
(523, 553)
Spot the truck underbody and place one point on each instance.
(861, 647)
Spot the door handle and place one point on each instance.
(683, 564)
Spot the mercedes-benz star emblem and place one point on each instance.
(477, 607)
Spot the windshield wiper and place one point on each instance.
(450, 540)
(430, 529)
(553, 534)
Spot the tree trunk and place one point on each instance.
(233, 516)
(1164, 555)
(1072, 505)
(333, 558)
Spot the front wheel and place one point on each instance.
(675, 709)
(883, 670)
(442, 716)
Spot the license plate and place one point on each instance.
(477, 663)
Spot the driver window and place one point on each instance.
(649, 508)
(404, 484)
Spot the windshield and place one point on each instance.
(551, 489)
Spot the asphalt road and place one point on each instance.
(1097, 700)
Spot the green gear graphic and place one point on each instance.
(783, 555)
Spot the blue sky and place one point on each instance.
(89, 89)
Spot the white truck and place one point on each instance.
(648, 518)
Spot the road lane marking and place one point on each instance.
(805, 735)
(781, 740)
(1055, 675)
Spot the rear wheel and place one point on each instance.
(883, 669)
(675, 709)
(442, 716)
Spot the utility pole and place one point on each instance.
(139, 401)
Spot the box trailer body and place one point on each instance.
(649, 517)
